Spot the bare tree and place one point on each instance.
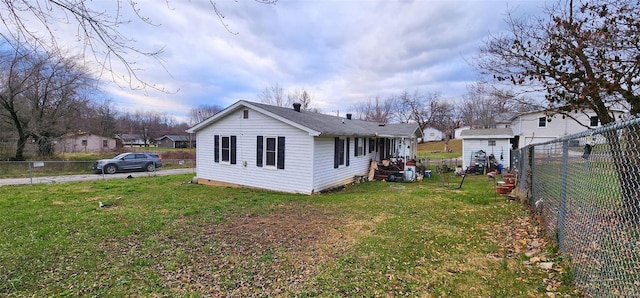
(483, 105)
(202, 112)
(274, 95)
(101, 31)
(375, 110)
(305, 100)
(40, 95)
(303, 97)
(583, 56)
(148, 124)
(417, 107)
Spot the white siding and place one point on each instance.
(432, 134)
(526, 126)
(326, 176)
(469, 146)
(297, 173)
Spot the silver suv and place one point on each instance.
(128, 162)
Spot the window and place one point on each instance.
(225, 149)
(105, 143)
(270, 151)
(341, 152)
(84, 143)
(245, 114)
(492, 142)
(593, 121)
(542, 122)
(360, 144)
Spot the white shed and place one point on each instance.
(432, 134)
(293, 150)
(495, 141)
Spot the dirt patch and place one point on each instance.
(268, 254)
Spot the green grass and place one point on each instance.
(164, 237)
(434, 151)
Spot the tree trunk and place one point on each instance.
(22, 142)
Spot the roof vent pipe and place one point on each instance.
(349, 116)
(296, 106)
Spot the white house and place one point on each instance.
(536, 127)
(292, 150)
(432, 134)
(459, 130)
(495, 141)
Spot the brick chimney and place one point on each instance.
(296, 106)
(349, 116)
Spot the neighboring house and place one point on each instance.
(84, 142)
(176, 141)
(496, 141)
(536, 127)
(459, 130)
(131, 140)
(292, 150)
(432, 134)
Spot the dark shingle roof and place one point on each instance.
(323, 124)
(174, 138)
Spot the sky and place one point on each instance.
(341, 52)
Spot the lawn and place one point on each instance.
(163, 236)
(433, 152)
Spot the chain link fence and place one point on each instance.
(33, 169)
(586, 190)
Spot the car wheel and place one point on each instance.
(151, 167)
(110, 169)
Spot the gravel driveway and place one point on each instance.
(91, 177)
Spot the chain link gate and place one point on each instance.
(586, 189)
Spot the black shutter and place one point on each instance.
(355, 145)
(232, 149)
(216, 148)
(280, 161)
(259, 148)
(336, 153)
(364, 146)
(347, 161)
(371, 145)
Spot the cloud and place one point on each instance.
(341, 52)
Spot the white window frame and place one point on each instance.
(360, 149)
(265, 152)
(542, 122)
(222, 149)
(342, 147)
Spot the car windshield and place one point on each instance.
(119, 156)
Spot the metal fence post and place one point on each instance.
(562, 212)
(534, 178)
